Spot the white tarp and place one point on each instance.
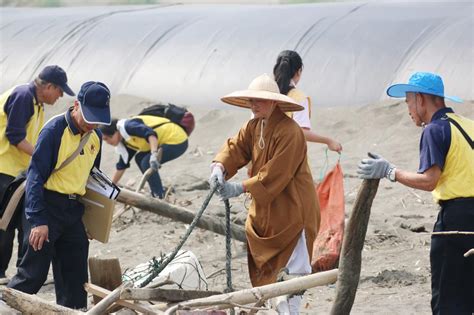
(183, 272)
(193, 54)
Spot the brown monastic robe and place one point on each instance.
(283, 195)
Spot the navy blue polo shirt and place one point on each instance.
(45, 158)
(435, 141)
(19, 109)
(137, 128)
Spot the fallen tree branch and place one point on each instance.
(177, 213)
(31, 304)
(101, 292)
(100, 307)
(165, 295)
(351, 252)
(247, 296)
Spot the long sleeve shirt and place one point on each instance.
(57, 141)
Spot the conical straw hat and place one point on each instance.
(262, 87)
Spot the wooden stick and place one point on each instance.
(163, 282)
(166, 295)
(351, 252)
(120, 212)
(143, 180)
(11, 206)
(177, 213)
(469, 253)
(31, 304)
(452, 233)
(101, 292)
(417, 196)
(257, 306)
(108, 300)
(253, 295)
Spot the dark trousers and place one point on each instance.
(170, 152)
(67, 250)
(7, 237)
(452, 274)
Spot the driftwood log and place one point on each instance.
(351, 252)
(31, 304)
(257, 294)
(166, 295)
(179, 213)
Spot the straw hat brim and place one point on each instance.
(242, 99)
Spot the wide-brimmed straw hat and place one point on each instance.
(262, 87)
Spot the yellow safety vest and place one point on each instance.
(12, 160)
(168, 133)
(457, 177)
(72, 178)
(299, 97)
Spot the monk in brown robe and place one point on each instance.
(284, 217)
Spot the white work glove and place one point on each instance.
(217, 175)
(374, 168)
(154, 161)
(230, 190)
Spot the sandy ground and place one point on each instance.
(395, 277)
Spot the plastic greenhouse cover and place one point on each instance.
(194, 54)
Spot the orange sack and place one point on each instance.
(327, 246)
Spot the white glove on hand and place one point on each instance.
(217, 175)
(374, 168)
(154, 161)
(230, 190)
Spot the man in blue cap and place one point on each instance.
(447, 169)
(21, 119)
(56, 179)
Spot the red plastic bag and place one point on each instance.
(327, 246)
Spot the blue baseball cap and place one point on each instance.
(56, 75)
(94, 100)
(422, 82)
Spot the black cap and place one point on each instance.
(56, 75)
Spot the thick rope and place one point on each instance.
(228, 249)
(162, 265)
